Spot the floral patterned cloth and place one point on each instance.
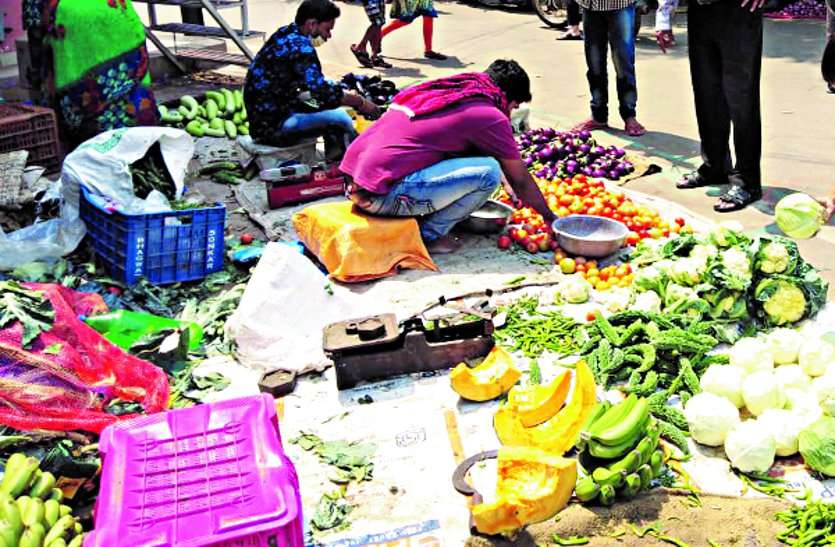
(409, 10)
(112, 94)
(284, 70)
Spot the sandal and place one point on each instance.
(736, 198)
(569, 36)
(590, 125)
(633, 128)
(379, 62)
(434, 55)
(693, 180)
(362, 57)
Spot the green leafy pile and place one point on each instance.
(31, 308)
(352, 463)
(727, 277)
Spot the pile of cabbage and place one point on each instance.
(783, 383)
(730, 278)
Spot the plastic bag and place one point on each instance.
(68, 375)
(102, 165)
(48, 240)
(279, 321)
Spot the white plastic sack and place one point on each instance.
(102, 165)
(288, 301)
(45, 241)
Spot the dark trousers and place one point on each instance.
(575, 17)
(726, 43)
(602, 29)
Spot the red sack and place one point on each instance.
(67, 386)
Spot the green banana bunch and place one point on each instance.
(618, 430)
(31, 513)
(627, 476)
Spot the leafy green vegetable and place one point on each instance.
(351, 459)
(33, 311)
(817, 445)
(203, 385)
(331, 512)
(799, 215)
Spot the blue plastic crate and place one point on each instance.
(163, 248)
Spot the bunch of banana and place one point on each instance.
(623, 442)
(31, 513)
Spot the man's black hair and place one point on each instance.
(511, 79)
(321, 10)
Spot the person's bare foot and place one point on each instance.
(633, 128)
(443, 245)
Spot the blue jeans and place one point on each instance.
(335, 125)
(616, 29)
(441, 195)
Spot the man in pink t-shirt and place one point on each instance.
(440, 151)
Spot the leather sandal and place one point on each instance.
(694, 179)
(736, 198)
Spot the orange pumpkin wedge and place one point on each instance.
(532, 486)
(490, 379)
(558, 434)
(539, 403)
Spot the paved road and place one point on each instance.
(798, 115)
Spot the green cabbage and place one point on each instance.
(799, 215)
(817, 446)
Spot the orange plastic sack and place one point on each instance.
(355, 246)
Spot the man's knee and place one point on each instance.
(491, 173)
(342, 119)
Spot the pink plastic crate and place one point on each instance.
(212, 474)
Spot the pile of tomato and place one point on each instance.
(585, 196)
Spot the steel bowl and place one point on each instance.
(490, 218)
(588, 235)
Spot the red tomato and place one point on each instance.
(504, 242)
(532, 247)
(591, 316)
(246, 239)
(680, 221)
(632, 238)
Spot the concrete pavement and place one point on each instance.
(797, 113)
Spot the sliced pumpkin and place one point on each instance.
(558, 434)
(532, 486)
(539, 403)
(490, 379)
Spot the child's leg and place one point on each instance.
(376, 39)
(428, 29)
(391, 27)
(366, 38)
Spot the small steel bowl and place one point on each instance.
(588, 235)
(490, 218)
